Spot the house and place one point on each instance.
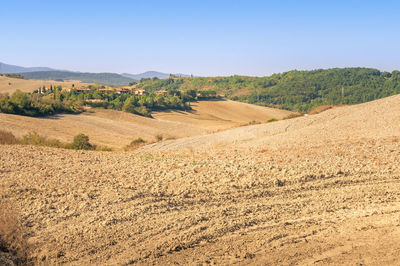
(161, 92)
(140, 91)
(81, 90)
(124, 90)
(105, 90)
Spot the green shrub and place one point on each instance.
(272, 120)
(137, 142)
(81, 142)
(34, 138)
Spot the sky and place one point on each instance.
(203, 38)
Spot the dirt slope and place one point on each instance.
(223, 114)
(117, 129)
(312, 190)
(9, 85)
(369, 120)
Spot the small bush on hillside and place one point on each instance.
(34, 138)
(159, 137)
(137, 142)
(81, 142)
(253, 122)
(272, 120)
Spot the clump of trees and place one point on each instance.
(34, 104)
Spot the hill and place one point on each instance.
(151, 74)
(349, 122)
(110, 79)
(319, 189)
(117, 129)
(102, 78)
(5, 68)
(298, 91)
(10, 85)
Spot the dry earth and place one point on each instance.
(117, 129)
(10, 85)
(321, 189)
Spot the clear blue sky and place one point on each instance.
(200, 37)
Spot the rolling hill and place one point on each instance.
(299, 91)
(117, 129)
(314, 190)
(10, 85)
(6, 68)
(151, 74)
(46, 73)
(110, 79)
(368, 120)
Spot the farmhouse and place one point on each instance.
(140, 91)
(124, 90)
(81, 89)
(107, 89)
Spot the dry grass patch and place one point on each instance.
(7, 137)
(80, 142)
(12, 239)
(320, 109)
(293, 116)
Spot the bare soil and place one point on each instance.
(321, 189)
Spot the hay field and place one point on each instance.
(9, 85)
(117, 129)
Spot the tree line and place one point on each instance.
(295, 90)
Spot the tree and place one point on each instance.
(81, 142)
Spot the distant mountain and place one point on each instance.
(5, 68)
(110, 79)
(151, 74)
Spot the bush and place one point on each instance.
(159, 137)
(34, 138)
(136, 143)
(272, 120)
(253, 122)
(81, 142)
